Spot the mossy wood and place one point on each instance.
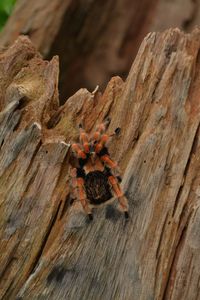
(48, 250)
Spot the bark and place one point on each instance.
(94, 39)
(47, 248)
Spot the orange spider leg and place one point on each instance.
(108, 161)
(112, 165)
(101, 128)
(104, 138)
(82, 196)
(77, 149)
(119, 194)
(96, 136)
(101, 138)
(84, 140)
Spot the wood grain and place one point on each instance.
(48, 250)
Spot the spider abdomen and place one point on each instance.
(97, 187)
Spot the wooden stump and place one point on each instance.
(95, 39)
(47, 248)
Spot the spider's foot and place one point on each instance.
(126, 215)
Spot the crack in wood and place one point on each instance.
(161, 236)
(187, 166)
(32, 159)
(65, 206)
(176, 253)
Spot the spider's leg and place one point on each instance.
(78, 151)
(100, 129)
(111, 164)
(82, 197)
(84, 140)
(100, 138)
(101, 143)
(119, 194)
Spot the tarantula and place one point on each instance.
(96, 178)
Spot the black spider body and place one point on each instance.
(97, 187)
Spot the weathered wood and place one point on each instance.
(47, 249)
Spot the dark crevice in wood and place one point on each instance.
(23, 102)
(183, 214)
(54, 120)
(2, 142)
(17, 124)
(193, 150)
(32, 160)
(65, 206)
(161, 236)
(176, 202)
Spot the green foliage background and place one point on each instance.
(6, 7)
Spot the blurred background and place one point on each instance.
(95, 39)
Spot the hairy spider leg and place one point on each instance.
(84, 140)
(100, 138)
(78, 188)
(111, 164)
(79, 151)
(81, 195)
(101, 128)
(102, 142)
(119, 194)
(101, 149)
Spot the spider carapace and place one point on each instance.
(96, 178)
